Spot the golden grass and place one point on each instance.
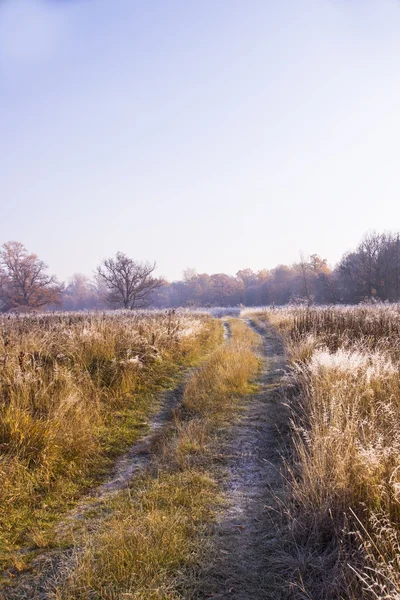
(343, 502)
(76, 390)
(212, 389)
(142, 548)
(154, 542)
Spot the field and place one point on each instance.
(341, 509)
(76, 391)
(175, 455)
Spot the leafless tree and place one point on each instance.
(372, 271)
(83, 294)
(129, 283)
(305, 269)
(3, 290)
(24, 284)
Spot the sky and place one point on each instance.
(211, 134)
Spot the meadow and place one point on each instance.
(155, 540)
(340, 529)
(76, 391)
(80, 389)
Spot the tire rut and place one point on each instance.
(242, 534)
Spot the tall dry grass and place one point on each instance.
(152, 545)
(75, 390)
(343, 504)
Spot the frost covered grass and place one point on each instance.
(76, 390)
(342, 509)
(154, 542)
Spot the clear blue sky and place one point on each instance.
(215, 134)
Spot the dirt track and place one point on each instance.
(242, 535)
(251, 476)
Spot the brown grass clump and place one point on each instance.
(76, 390)
(153, 543)
(342, 509)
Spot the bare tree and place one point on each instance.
(364, 274)
(305, 269)
(129, 283)
(24, 283)
(3, 290)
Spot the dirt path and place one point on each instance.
(242, 535)
(138, 457)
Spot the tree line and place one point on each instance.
(119, 282)
(371, 272)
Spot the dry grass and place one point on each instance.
(153, 544)
(342, 510)
(225, 377)
(141, 550)
(75, 391)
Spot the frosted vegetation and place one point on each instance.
(369, 273)
(343, 502)
(76, 390)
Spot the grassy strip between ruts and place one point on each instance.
(77, 392)
(151, 545)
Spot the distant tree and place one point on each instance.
(372, 271)
(305, 270)
(314, 282)
(280, 286)
(330, 287)
(24, 283)
(83, 294)
(182, 293)
(3, 290)
(225, 290)
(129, 284)
(198, 289)
(189, 274)
(360, 272)
(318, 265)
(389, 259)
(247, 276)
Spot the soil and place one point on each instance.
(244, 532)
